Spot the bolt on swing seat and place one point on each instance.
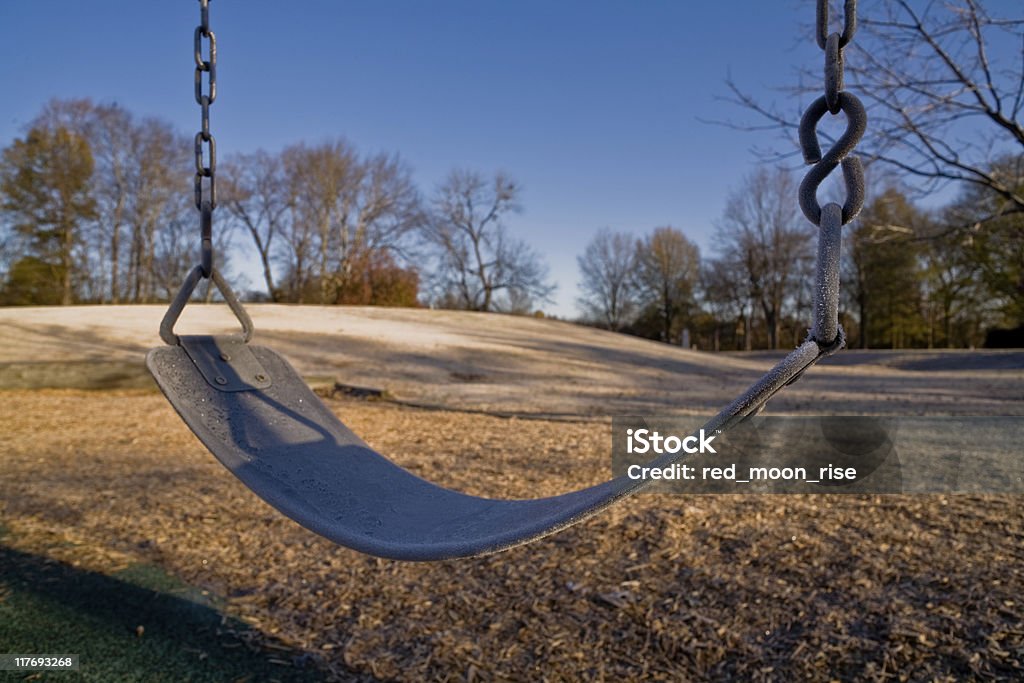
(252, 410)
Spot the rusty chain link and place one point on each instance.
(204, 139)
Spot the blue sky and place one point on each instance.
(593, 106)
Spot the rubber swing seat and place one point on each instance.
(282, 442)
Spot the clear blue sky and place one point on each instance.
(592, 106)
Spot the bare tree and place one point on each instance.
(388, 207)
(109, 130)
(254, 192)
(944, 87)
(995, 246)
(727, 293)
(299, 234)
(141, 169)
(382, 212)
(765, 238)
(479, 265)
(322, 179)
(105, 129)
(667, 272)
(156, 180)
(607, 266)
(343, 209)
(174, 250)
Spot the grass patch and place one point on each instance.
(138, 624)
(84, 374)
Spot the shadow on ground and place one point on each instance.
(140, 624)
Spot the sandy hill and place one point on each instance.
(497, 362)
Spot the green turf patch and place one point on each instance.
(140, 624)
(84, 374)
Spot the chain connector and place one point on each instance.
(185, 293)
(853, 172)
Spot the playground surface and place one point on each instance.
(101, 484)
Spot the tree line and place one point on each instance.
(911, 277)
(944, 87)
(97, 208)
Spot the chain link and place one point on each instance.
(849, 22)
(826, 330)
(205, 143)
(834, 100)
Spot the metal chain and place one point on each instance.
(205, 202)
(826, 335)
(830, 219)
(205, 169)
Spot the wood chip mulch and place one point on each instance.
(660, 588)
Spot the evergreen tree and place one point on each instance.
(45, 189)
(887, 271)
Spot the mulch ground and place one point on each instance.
(659, 588)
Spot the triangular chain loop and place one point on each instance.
(185, 293)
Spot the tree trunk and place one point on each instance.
(115, 265)
(149, 259)
(269, 278)
(481, 272)
(297, 288)
(771, 323)
(666, 316)
(324, 245)
(748, 343)
(65, 261)
(863, 308)
(947, 322)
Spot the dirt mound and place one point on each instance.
(508, 364)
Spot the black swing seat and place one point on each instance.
(252, 410)
(258, 418)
